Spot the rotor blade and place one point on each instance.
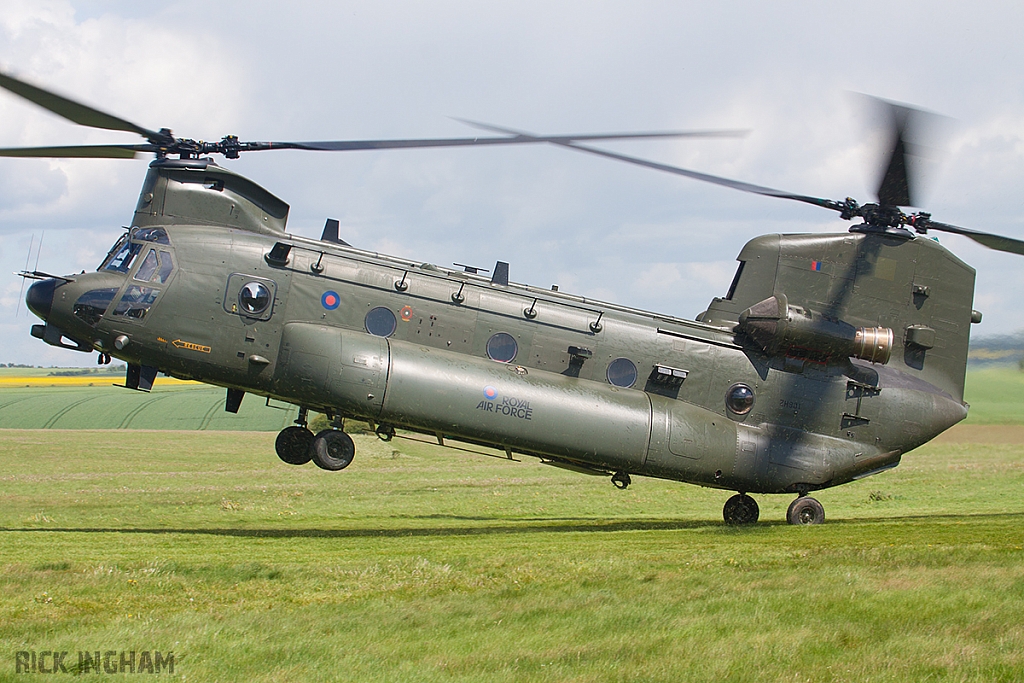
(997, 242)
(351, 145)
(907, 128)
(78, 151)
(729, 133)
(69, 109)
(894, 186)
(708, 178)
(705, 177)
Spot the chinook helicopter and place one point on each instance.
(830, 356)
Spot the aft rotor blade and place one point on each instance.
(352, 145)
(69, 109)
(911, 133)
(78, 151)
(997, 242)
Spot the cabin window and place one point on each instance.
(502, 347)
(91, 306)
(622, 373)
(739, 399)
(254, 298)
(381, 322)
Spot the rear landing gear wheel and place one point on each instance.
(332, 450)
(805, 510)
(740, 509)
(293, 445)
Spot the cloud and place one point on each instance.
(311, 71)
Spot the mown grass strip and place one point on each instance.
(418, 563)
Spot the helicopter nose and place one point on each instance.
(40, 297)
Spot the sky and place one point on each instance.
(595, 227)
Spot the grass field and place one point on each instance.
(74, 404)
(996, 396)
(423, 564)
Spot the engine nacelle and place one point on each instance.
(777, 327)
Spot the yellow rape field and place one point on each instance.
(11, 381)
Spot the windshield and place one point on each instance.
(121, 255)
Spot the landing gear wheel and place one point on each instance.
(332, 450)
(293, 445)
(621, 480)
(805, 510)
(385, 432)
(740, 509)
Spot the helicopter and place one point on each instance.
(830, 356)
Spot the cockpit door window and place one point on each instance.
(156, 267)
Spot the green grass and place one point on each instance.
(180, 407)
(996, 396)
(422, 564)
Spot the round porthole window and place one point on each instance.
(381, 322)
(622, 373)
(502, 347)
(254, 298)
(739, 399)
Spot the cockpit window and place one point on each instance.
(128, 246)
(166, 266)
(121, 256)
(91, 305)
(158, 235)
(156, 267)
(136, 302)
(148, 267)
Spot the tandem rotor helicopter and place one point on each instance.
(830, 356)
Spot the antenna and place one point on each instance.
(28, 257)
(39, 248)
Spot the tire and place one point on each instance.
(293, 445)
(741, 509)
(805, 510)
(333, 450)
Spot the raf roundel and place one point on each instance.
(330, 300)
(490, 393)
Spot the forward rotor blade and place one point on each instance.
(514, 139)
(705, 177)
(69, 109)
(997, 242)
(78, 151)
(708, 178)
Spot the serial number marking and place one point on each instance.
(793, 405)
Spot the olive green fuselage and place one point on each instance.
(412, 345)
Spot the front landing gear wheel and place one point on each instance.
(621, 480)
(805, 510)
(332, 450)
(293, 445)
(740, 509)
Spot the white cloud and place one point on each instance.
(309, 71)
